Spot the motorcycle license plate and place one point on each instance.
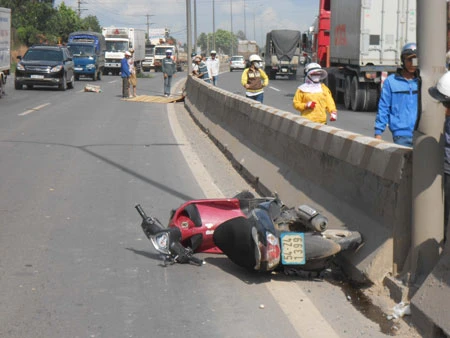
(293, 248)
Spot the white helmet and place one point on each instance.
(213, 52)
(254, 57)
(316, 69)
(168, 51)
(441, 91)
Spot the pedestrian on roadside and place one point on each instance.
(169, 70)
(313, 99)
(202, 71)
(133, 79)
(441, 92)
(125, 74)
(254, 79)
(399, 100)
(194, 65)
(213, 64)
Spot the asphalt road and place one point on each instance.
(74, 261)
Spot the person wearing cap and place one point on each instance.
(313, 99)
(254, 79)
(213, 65)
(441, 92)
(398, 102)
(125, 74)
(169, 69)
(201, 69)
(132, 79)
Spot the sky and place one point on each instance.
(261, 16)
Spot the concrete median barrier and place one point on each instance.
(359, 182)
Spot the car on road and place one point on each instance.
(237, 62)
(45, 65)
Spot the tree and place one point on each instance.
(224, 40)
(241, 35)
(64, 22)
(38, 21)
(90, 23)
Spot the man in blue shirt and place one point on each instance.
(399, 100)
(125, 73)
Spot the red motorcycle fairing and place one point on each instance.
(198, 219)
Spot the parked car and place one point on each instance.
(44, 65)
(237, 62)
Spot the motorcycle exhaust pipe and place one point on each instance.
(311, 218)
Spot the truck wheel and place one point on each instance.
(371, 98)
(331, 83)
(358, 92)
(77, 77)
(347, 92)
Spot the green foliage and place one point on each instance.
(38, 21)
(224, 40)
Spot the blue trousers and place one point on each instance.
(259, 97)
(167, 84)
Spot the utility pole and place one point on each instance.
(428, 211)
(214, 25)
(232, 35)
(195, 26)
(245, 23)
(148, 26)
(189, 34)
(79, 3)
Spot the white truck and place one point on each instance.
(156, 36)
(118, 41)
(5, 47)
(160, 53)
(365, 46)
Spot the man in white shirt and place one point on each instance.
(213, 64)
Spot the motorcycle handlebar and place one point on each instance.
(141, 211)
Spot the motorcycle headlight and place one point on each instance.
(56, 69)
(161, 243)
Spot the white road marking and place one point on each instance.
(34, 109)
(276, 89)
(113, 81)
(304, 317)
(204, 180)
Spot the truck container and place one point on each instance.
(88, 51)
(247, 48)
(5, 47)
(365, 47)
(118, 41)
(282, 53)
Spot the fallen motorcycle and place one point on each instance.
(259, 234)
